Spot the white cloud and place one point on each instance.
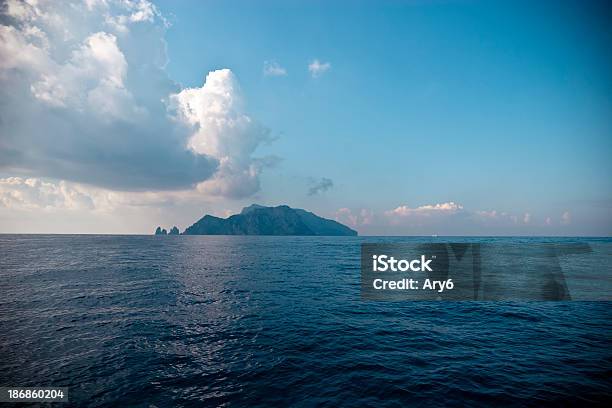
(105, 107)
(442, 208)
(273, 68)
(18, 50)
(318, 68)
(224, 131)
(33, 193)
(92, 77)
(19, 193)
(41, 205)
(119, 14)
(91, 80)
(142, 11)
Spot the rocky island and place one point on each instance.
(260, 220)
(162, 231)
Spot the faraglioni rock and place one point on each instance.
(160, 231)
(260, 220)
(174, 231)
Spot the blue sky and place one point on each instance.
(499, 107)
(503, 105)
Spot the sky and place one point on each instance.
(393, 117)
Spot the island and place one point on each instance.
(260, 220)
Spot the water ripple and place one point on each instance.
(260, 321)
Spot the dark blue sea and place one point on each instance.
(129, 321)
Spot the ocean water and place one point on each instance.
(265, 321)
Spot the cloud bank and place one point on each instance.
(92, 75)
(448, 218)
(16, 192)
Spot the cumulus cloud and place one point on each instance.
(17, 192)
(224, 131)
(92, 74)
(93, 79)
(318, 68)
(426, 210)
(320, 186)
(273, 68)
(134, 12)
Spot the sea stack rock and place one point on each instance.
(160, 231)
(174, 231)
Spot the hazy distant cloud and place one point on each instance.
(442, 208)
(320, 186)
(442, 218)
(354, 218)
(566, 218)
(526, 218)
(345, 216)
(273, 68)
(487, 214)
(18, 193)
(499, 218)
(318, 68)
(496, 218)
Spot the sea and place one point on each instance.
(245, 321)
